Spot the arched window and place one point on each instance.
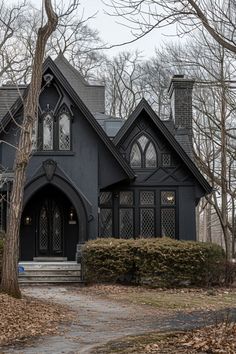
(54, 132)
(48, 132)
(143, 153)
(64, 132)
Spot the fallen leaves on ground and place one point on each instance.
(209, 340)
(215, 339)
(27, 317)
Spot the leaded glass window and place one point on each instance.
(143, 153)
(167, 197)
(166, 160)
(43, 230)
(168, 222)
(64, 132)
(150, 156)
(48, 132)
(126, 198)
(147, 222)
(34, 135)
(135, 157)
(126, 223)
(105, 220)
(147, 198)
(105, 198)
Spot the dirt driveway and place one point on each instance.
(101, 320)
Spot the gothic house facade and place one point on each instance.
(94, 175)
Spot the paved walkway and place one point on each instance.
(103, 320)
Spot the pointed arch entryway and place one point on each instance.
(54, 219)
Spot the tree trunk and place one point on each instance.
(9, 282)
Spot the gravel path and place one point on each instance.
(103, 320)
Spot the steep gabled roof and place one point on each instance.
(49, 64)
(144, 106)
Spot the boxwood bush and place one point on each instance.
(156, 261)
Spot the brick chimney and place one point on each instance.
(180, 93)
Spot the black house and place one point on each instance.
(93, 175)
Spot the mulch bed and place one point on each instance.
(25, 318)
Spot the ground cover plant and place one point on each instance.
(157, 261)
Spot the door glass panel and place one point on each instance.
(57, 230)
(43, 230)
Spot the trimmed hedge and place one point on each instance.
(159, 261)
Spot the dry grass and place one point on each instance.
(24, 318)
(168, 299)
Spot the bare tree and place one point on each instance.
(214, 123)
(217, 17)
(9, 282)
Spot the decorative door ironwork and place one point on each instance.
(50, 229)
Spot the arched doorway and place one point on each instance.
(49, 226)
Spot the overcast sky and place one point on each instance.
(112, 32)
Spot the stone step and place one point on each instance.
(50, 259)
(50, 266)
(51, 280)
(50, 272)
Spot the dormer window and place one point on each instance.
(55, 132)
(143, 153)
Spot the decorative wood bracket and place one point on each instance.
(49, 167)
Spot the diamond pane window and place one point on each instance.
(147, 198)
(126, 198)
(126, 223)
(143, 140)
(168, 222)
(150, 156)
(167, 198)
(48, 132)
(105, 198)
(166, 160)
(135, 157)
(64, 132)
(147, 222)
(105, 220)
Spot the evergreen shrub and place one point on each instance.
(155, 261)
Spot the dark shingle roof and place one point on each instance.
(111, 125)
(8, 96)
(92, 95)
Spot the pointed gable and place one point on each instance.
(142, 107)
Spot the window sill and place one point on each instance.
(53, 153)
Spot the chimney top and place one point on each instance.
(178, 76)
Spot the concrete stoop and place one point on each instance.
(43, 272)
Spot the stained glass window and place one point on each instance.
(48, 132)
(64, 132)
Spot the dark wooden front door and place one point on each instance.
(50, 229)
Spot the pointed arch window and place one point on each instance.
(48, 132)
(54, 132)
(143, 153)
(64, 131)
